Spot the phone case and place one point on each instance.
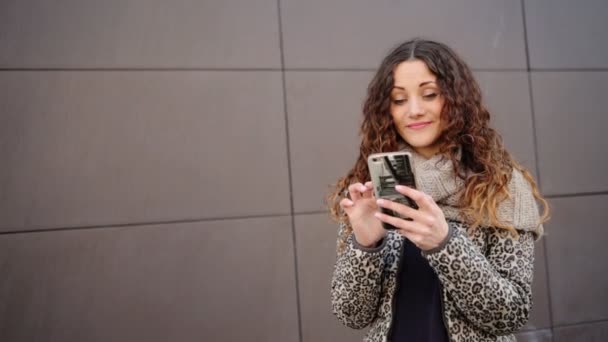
(387, 170)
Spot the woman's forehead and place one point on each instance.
(414, 73)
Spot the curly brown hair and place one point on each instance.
(485, 165)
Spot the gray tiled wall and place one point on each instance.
(164, 163)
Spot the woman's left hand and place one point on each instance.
(428, 228)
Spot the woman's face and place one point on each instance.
(416, 104)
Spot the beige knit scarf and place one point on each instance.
(436, 177)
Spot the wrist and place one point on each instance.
(368, 247)
(443, 243)
(362, 242)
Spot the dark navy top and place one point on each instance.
(418, 316)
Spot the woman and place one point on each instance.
(461, 269)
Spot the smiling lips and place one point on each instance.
(419, 125)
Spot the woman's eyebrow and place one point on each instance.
(420, 85)
(425, 83)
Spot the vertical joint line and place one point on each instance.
(537, 157)
(529, 74)
(287, 146)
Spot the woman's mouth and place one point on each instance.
(419, 125)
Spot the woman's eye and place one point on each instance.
(430, 96)
(399, 101)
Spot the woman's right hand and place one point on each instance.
(360, 209)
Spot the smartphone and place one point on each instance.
(387, 170)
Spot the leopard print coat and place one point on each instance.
(486, 280)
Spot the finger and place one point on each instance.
(346, 205)
(354, 191)
(345, 202)
(423, 200)
(408, 226)
(416, 239)
(370, 186)
(402, 209)
(410, 229)
(368, 193)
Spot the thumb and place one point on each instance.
(346, 205)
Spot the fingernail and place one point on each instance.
(377, 215)
(399, 187)
(380, 201)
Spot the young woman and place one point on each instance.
(461, 269)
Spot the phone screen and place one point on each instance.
(388, 170)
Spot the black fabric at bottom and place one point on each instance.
(418, 316)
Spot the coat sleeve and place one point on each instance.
(357, 282)
(493, 291)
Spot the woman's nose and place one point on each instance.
(415, 108)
